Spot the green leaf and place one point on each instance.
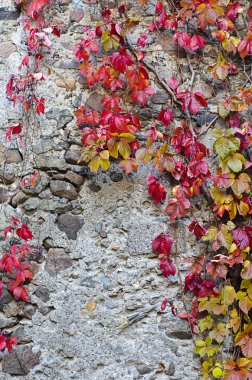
(211, 234)
(235, 163)
(221, 146)
(224, 110)
(206, 323)
(110, 41)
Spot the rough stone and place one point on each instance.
(116, 176)
(106, 283)
(94, 187)
(73, 157)
(143, 369)
(94, 101)
(63, 189)
(171, 369)
(62, 117)
(88, 282)
(180, 334)
(160, 98)
(40, 183)
(20, 361)
(70, 224)
(42, 293)
(6, 49)
(46, 205)
(68, 84)
(44, 310)
(22, 334)
(19, 198)
(29, 311)
(5, 297)
(76, 15)
(49, 162)
(71, 64)
(57, 261)
(31, 204)
(103, 234)
(4, 195)
(6, 177)
(75, 179)
(111, 305)
(7, 322)
(48, 243)
(13, 156)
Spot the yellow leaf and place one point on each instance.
(127, 136)
(94, 164)
(104, 154)
(246, 272)
(217, 373)
(113, 147)
(105, 164)
(228, 295)
(124, 149)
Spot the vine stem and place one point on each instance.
(180, 277)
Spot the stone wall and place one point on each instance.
(94, 310)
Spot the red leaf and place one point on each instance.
(121, 60)
(157, 192)
(8, 230)
(197, 229)
(56, 31)
(2, 343)
(176, 207)
(142, 40)
(191, 101)
(165, 116)
(245, 48)
(168, 267)
(164, 303)
(173, 83)
(159, 7)
(232, 10)
(162, 245)
(10, 341)
(36, 6)
(197, 42)
(181, 137)
(40, 106)
(24, 232)
(121, 9)
(194, 282)
(241, 238)
(13, 130)
(142, 95)
(183, 39)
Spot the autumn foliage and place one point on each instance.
(177, 155)
(220, 280)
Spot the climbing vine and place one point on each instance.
(37, 30)
(219, 280)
